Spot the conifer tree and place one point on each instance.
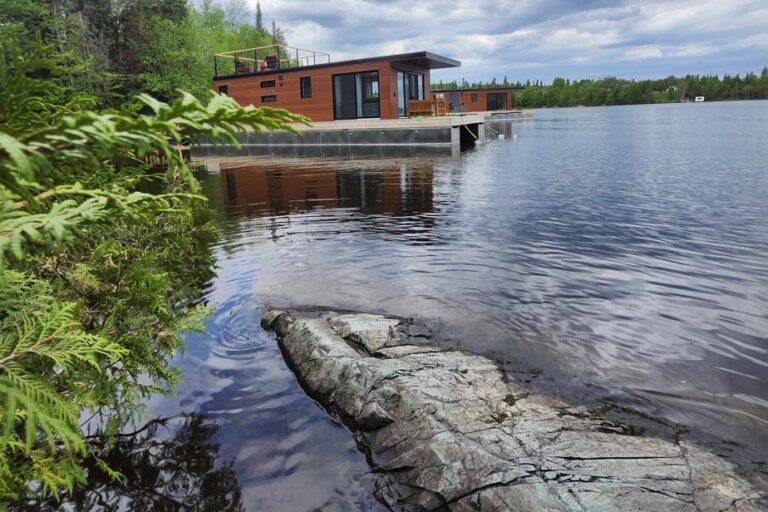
(260, 19)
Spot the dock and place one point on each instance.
(416, 136)
(509, 114)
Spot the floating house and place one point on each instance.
(477, 100)
(376, 106)
(307, 82)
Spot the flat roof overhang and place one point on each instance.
(421, 59)
(425, 60)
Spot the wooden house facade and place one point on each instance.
(479, 100)
(377, 87)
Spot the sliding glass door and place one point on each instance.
(497, 101)
(410, 86)
(356, 95)
(344, 97)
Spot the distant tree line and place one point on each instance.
(616, 91)
(464, 84)
(114, 49)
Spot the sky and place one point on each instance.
(538, 39)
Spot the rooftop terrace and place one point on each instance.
(266, 59)
(277, 57)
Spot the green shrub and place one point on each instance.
(97, 280)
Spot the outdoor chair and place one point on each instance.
(455, 104)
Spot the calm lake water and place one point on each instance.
(622, 250)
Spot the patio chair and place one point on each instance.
(242, 67)
(455, 104)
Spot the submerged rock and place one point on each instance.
(450, 430)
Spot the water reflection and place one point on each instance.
(278, 188)
(286, 452)
(169, 464)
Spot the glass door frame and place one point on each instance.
(500, 105)
(403, 80)
(358, 101)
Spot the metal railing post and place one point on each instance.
(215, 67)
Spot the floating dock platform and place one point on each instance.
(509, 114)
(418, 136)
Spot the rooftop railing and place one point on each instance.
(265, 59)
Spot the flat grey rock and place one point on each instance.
(450, 430)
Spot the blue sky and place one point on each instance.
(528, 39)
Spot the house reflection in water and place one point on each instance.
(277, 189)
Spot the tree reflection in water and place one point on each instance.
(169, 464)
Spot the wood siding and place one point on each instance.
(247, 90)
(481, 105)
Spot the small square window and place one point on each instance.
(306, 86)
(269, 99)
(223, 89)
(474, 97)
(267, 83)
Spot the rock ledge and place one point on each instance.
(449, 430)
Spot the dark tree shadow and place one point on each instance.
(166, 467)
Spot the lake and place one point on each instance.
(617, 252)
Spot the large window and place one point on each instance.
(356, 95)
(410, 86)
(306, 86)
(497, 101)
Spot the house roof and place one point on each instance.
(422, 59)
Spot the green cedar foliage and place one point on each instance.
(97, 279)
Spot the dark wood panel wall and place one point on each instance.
(248, 90)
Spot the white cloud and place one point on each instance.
(552, 37)
(642, 53)
(693, 50)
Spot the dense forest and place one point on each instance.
(114, 49)
(103, 256)
(614, 91)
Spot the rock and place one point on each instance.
(450, 430)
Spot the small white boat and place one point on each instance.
(699, 99)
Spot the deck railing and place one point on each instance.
(265, 59)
